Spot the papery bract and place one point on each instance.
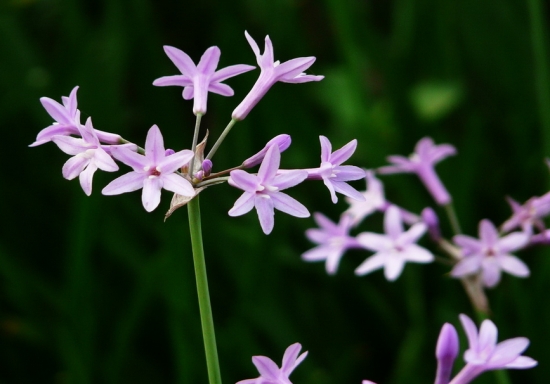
(490, 254)
(271, 72)
(270, 373)
(394, 248)
(262, 191)
(88, 156)
(333, 241)
(422, 162)
(152, 172)
(200, 79)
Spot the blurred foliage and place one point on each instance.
(96, 290)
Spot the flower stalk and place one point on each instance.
(207, 321)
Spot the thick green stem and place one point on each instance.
(221, 138)
(205, 308)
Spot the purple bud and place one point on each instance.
(446, 353)
(282, 141)
(169, 152)
(199, 175)
(207, 167)
(429, 217)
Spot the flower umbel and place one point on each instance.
(490, 254)
(333, 241)
(271, 72)
(422, 162)
(200, 79)
(262, 191)
(270, 373)
(394, 248)
(152, 172)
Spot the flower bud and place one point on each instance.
(169, 152)
(282, 141)
(446, 352)
(207, 167)
(429, 217)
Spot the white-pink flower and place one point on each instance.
(152, 172)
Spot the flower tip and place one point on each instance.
(447, 343)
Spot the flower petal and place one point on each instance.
(507, 351)
(393, 267)
(289, 358)
(292, 68)
(86, 177)
(377, 261)
(344, 153)
(232, 70)
(243, 205)
(289, 179)
(70, 145)
(267, 368)
(512, 242)
(467, 266)
(326, 149)
(513, 265)
(154, 146)
(177, 184)
(175, 161)
(417, 254)
(287, 204)
(221, 89)
(270, 165)
(209, 61)
(181, 60)
(150, 196)
(471, 331)
(177, 80)
(488, 233)
(393, 225)
(128, 182)
(243, 180)
(266, 213)
(74, 166)
(374, 241)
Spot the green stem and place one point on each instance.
(205, 308)
(453, 218)
(221, 138)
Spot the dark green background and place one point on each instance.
(96, 290)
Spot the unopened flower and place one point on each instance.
(335, 175)
(529, 214)
(263, 191)
(67, 121)
(152, 172)
(422, 162)
(432, 221)
(490, 254)
(200, 79)
(270, 373)
(271, 72)
(394, 248)
(446, 353)
(333, 241)
(282, 141)
(484, 354)
(88, 156)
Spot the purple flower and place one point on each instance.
(67, 121)
(490, 254)
(374, 200)
(282, 141)
(262, 191)
(432, 221)
(152, 172)
(394, 248)
(270, 373)
(271, 72)
(446, 353)
(88, 156)
(333, 240)
(201, 79)
(422, 162)
(528, 215)
(484, 354)
(335, 175)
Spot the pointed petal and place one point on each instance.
(221, 89)
(471, 331)
(209, 61)
(71, 102)
(175, 161)
(154, 146)
(48, 133)
(181, 60)
(417, 254)
(467, 266)
(302, 78)
(150, 196)
(268, 57)
(177, 184)
(344, 153)
(266, 213)
(371, 264)
(86, 177)
(57, 111)
(253, 44)
(522, 362)
(488, 233)
(393, 226)
(188, 92)
(316, 254)
(326, 149)
(512, 242)
(70, 145)
(325, 223)
(287, 204)
(231, 71)
(289, 358)
(348, 173)
(413, 234)
(490, 272)
(74, 166)
(440, 152)
(347, 190)
(129, 157)
(243, 180)
(289, 179)
(333, 259)
(393, 268)
(468, 244)
(488, 334)
(330, 187)
(374, 241)
(267, 368)
(513, 265)
(292, 68)
(128, 182)
(244, 204)
(507, 351)
(177, 80)
(317, 236)
(270, 165)
(103, 161)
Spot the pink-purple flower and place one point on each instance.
(484, 354)
(152, 172)
(446, 352)
(422, 162)
(200, 79)
(271, 72)
(282, 141)
(490, 254)
(529, 214)
(394, 248)
(263, 191)
(333, 241)
(67, 121)
(374, 200)
(88, 156)
(335, 175)
(270, 373)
